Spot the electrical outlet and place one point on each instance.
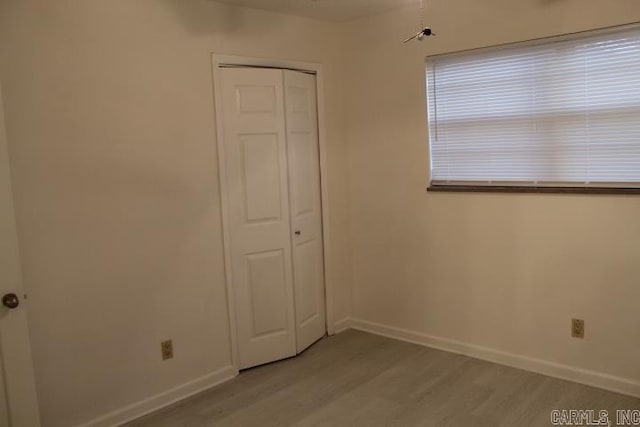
(167, 349)
(577, 328)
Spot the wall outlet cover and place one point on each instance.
(167, 349)
(577, 328)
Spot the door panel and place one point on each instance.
(255, 160)
(261, 173)
(306, 271)
(267, 277)
(302, 161)
(18, 402)
(306, 208)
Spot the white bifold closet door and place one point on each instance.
(274, 211)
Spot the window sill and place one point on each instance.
(527, 189)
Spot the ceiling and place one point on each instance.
(326, 10)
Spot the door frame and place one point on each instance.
(218, 60)
(17, 378)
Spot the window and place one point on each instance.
(557, 113)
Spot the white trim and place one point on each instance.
(222, 176)
(161, 400)
(18, 395)
(342, 325)
(217, 60)
(247, 61)
(557, 370)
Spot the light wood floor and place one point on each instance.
(358, 379)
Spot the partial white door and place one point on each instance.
(18, 403)
(306, 207)
(256, 190)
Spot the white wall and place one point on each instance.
(111, 134)
(503, 271)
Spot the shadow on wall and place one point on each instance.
(208, 17)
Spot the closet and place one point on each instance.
(271, 187)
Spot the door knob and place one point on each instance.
(297, 232)
(10, 300)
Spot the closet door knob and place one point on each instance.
(297, 232)
(11, 301)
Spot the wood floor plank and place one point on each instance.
(359, 379)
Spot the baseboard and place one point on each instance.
(342, 325)
(565, 372)
(161, 400)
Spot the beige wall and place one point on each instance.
(111, 136)
(502, 271)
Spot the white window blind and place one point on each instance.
(557, 113)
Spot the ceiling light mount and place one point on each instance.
(425, 31)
